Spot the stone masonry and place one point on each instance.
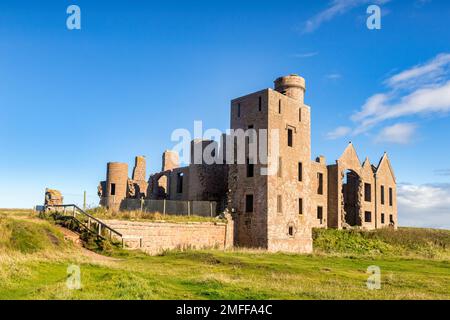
(274, 211)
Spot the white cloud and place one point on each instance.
(421, 90)
(401, 133)
(424, 205)
(431, 71)
(380, 107)
(305, 55)
(338, 133)
(336, 8)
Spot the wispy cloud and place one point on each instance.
(335, 8)
(401, 133)
(432, 71)
(338, 133)
(333, 76)
(425, 205)
(421, 90)
(442, 172)
(305, 54)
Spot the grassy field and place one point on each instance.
(414, 263)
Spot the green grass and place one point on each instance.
(337, 269)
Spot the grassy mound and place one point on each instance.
(19, 235)
(427, 243)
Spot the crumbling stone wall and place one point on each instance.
(319, 200)
(284, 208)
(53, 197)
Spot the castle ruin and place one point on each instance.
(272, 211)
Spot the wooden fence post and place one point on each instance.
(164, 207)
(189, 208)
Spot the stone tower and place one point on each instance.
(116, 184)
(273, 210)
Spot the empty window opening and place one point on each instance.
(351, 184)
(320, 183)
(290, 138)
(260, 104)
(390, 197)
(250, 168)
(300, 115)
(279, 204)
(368, 216)
(391, 219)
(113, 189)
(367, 192)
(249, 203)
(382, 194)
(320, 214)
(291, 231)
(300, 206)
(382, 218)
(180, 182)
(300, 171)
(279, 106)
(239, 110)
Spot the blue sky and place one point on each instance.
(72, 100)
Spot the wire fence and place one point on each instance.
(169, 207)
(172, 207)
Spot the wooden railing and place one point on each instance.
(87, 222)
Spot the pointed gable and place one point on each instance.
(385, 163)
(367, 166)
(349, 157)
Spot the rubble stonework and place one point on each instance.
(302, 195)
(53, 197)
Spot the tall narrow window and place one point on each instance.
(390, 197)
(239, 110)
(259, 104)
(320, 213)
(382, 194)
(180, 182)
(300, 171)
(300, 115)
(320, 183)
(391, 219)
(368, 216)
(250, 168)
(113, 189)
(279, 204)
(280, 167)
(300, 206)
(249, 203)
(382, 218)
(290, 138)
(251, 134)
(279, 106)
(291, 231)
(367, 192)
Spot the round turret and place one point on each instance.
(116, 184)
(292, 86)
